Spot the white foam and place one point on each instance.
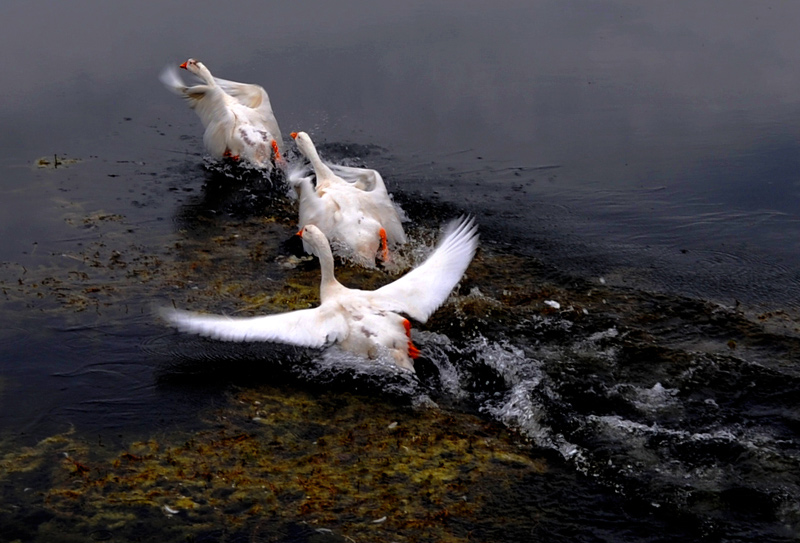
(436, 347)
(650, 401)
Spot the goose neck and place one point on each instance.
(328, 282)
(320, 168)
(205, 75)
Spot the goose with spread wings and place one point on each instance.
(369, 323)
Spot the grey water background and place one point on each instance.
(659, 136)
(653, 145)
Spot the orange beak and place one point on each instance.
(300, 233)
(183, 66)
(294, 135)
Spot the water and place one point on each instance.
(634, 163)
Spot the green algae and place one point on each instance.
(351, 466)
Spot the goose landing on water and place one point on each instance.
(367, 323)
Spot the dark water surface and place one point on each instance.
(635, 163)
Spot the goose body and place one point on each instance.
(368, 323)
(237, 117)
(350, 205)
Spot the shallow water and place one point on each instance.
(636, 164)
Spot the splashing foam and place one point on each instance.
(522, 407)
(436, 349)
(337, 365)
(520, 404)
(244, 170)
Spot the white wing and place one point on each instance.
(384, 211)
(208, 102)
(375, 199)
(306, 328)
(421, 291)
(256, 98)
(247, 94)
(170, 78)
(362, 178)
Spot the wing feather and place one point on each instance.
(374, 199)
(421, 291)
(362, 178)
(254, 97)
(170, 78)
(248, 94)
(305, 328)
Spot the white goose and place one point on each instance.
(237, 117)
(367, 323)
(350, 205)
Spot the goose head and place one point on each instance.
(304, 144)
(196, 67)
(315, 239)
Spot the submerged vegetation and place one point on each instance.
(352, 468)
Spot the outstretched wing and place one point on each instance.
(421, 291)
(170, 78)
(306, 328)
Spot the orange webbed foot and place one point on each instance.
(413, 352)
(384, 245)
(276, 153)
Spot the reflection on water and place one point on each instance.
(633, 163)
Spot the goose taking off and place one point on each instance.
(350, 205)
(367, 323)
(237, 117)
